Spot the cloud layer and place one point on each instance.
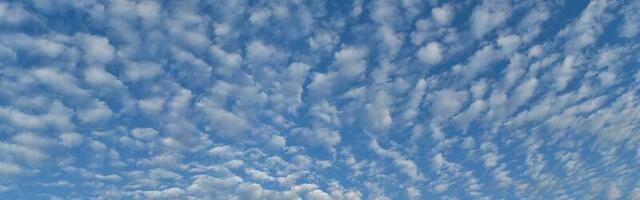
(319, 100)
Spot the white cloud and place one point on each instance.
(523, 92)
(490, 159)
(415, 100)
(224, 151)
(635, 193)
(229, 62)
(228, 123)
(585, 30)
(144, 133)
(98, 77)
(97, 49)
(471, 113)
(292, 86)
(169, 193)
(318, 136)
(202, 100)
(151, 105)
(509, 43)
(259, 51)
(59, 81)
(631, 24)
(446, 103)
(532, 24)
(323, 40)
(23, 153)
(318, 195)
(325, 112)
(258, 175)
(148, 10)
(13, 14)
(443, 15)
(159, 173)
(392, 41)
(32, 140)
(70, 139)
(22, 120)
(480, 61)
(259, 17)
(564, 73)
(407, 167)
(136, 71)
(377, 114)
(441, 187)
(277, 141)
(468, 143)
(249, 191)
(350, 61)
(503, 178)
(98, 112)
(438, 161)
(489, 16)
(430, 53)
(9, 169)
(613, 192)
(321, 83)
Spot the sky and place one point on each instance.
(310, 99)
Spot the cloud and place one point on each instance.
(277, 141)
(136, 71)
(407, 167)
(438, 161)
(100, 78)
(70, 139)
(98, 112)
(60, 81)
(490, 160)
(32, 140)
(430, 53)
(318, 136)
(314, 100)
(443, 15)
(489, 16)
(259, 51)
(258, 175)
(630, 27)
(229, 62)
(9, 169)
(613, 192)
(151, 105)
(148, 10)
(30, 155)
(350, 62)
(259, 17)
(97, 49)
(173, 192)
(377, 114)
(564, 72)
(446, 103)
(144, 133)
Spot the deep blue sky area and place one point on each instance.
(320, 100)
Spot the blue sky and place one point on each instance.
(319, 100)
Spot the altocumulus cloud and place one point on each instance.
(347, 100)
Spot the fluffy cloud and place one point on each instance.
(489, 16)
(443, 15)
(98, 112)
(313, 100)
(9, 169)
(70, 139)
(430, 53)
